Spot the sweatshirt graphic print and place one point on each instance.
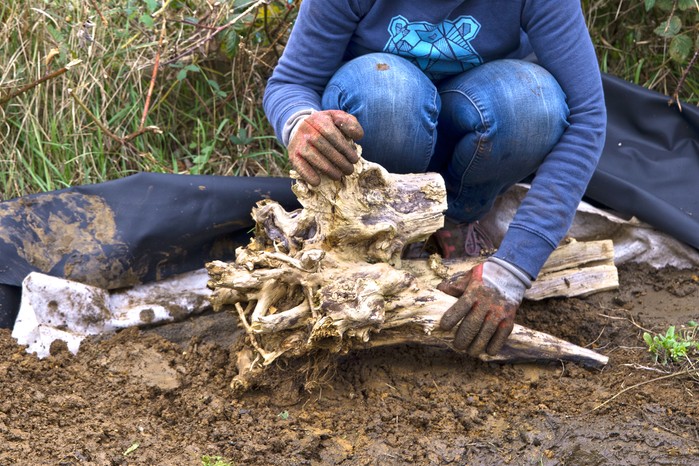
(437, 49)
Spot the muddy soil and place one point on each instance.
(161, 396)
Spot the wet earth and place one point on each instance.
(161, 396)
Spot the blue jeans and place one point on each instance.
(483, 130)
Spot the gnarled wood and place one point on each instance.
(329, 276)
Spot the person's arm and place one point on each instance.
(562, 44)
(312, 55)
(318, 142)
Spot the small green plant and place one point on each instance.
(673, 346)
(681, 34)
(134, 446)
(207, 460)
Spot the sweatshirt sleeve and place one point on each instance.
(559, 37)
(313, 53)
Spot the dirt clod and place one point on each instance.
(167, 390)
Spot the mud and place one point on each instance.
(70, 232)
(161, 396)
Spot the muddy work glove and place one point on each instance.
(489, 296)
(322, 144)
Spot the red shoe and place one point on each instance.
(463, 240)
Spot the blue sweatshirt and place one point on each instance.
(328, 33)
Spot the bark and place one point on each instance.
(329, 276)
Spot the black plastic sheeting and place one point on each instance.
(650, 164)
(138, 229)
(148, 226)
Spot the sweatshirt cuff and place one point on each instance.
(525, 249)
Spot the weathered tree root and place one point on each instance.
(329, 276)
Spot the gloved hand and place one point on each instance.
(321, 143)
(489, 296)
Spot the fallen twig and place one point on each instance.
(99, 12)
(662, 377)
(680, 83)
(32, 85)
(121, 140)
(146, 107)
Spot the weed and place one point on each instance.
(674, 346)
(134, 446)
(653, 43)
(92, 91)
(207, 460)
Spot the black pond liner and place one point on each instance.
(158, 225)
(137, 229)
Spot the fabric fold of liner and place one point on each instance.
(650, 165)
(138, 229)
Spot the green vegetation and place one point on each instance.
(92, 91)
(653, 43)
(207, 460)
(134, 446)
(674, 346)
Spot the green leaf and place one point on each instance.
(669, 28)
(55, 33)
(648, 339)
(230, 43)
(182, 75)
(242, 138)
(685, 4)
(216, 88)
(214, 84)
(670, 334)
(147, 20)
(131, 449)
(152, 5)
(649, 4)
(680, 48)
(665, 5)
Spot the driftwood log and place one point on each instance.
(330, 277)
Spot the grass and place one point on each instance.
(633, 41)
(92, 91)
(150, 89)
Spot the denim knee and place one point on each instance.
(498, 123)
(508, 109)
(396, 104)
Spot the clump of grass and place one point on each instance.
(652, 43)
(162, 86)
(675, 346)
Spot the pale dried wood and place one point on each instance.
(573, 269)
(330, 276)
